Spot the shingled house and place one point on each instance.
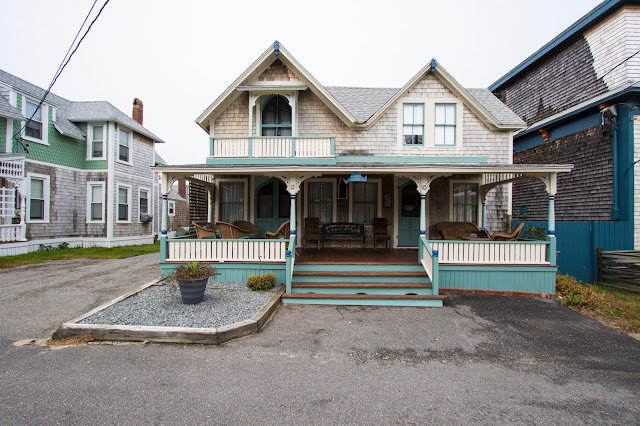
(76, 173)
(341, 166)
(578, 95)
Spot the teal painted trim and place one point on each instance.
(498, 268)
(365, 302)
(163, 248)
(333, 146)
(344, 267)
(237, 271)
(211, 150)
(503, 279)
(551, 249)
(412, 159)
(250, 147)
(286, 160)
(490, 242)
(455, 133)
(404, 123)
(293, 146)
(386, 291)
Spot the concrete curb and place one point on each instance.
(137, 333)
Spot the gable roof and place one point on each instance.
(576, 30)
(69, 112)
(6, 110)
(360, 107)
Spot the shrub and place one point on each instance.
(578, 294)
(192, 271)
(532, 232)
(261, 282)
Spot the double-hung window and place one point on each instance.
(171, 208)
(320, 201)
(364, 202)
(96, 141)
(95, 204)
(413, 124)
(124, 203)
(143, 201)
(465, 202)
(445, 124)
(231, 201)
(34, 129)
(124, 144)
(38, 198)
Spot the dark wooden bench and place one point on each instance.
(344, 230)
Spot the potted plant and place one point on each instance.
(192, 279)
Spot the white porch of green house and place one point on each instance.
(12, 198)
(457, 265)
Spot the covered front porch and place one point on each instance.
(343, 272)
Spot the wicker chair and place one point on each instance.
(380, 231)
(512, 236)
(457, 230)
(243, 224)
(282, 232)
(229, 231)
(205, 230)
(311, 231)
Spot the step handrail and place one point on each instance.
(290, 261)
(429, 260)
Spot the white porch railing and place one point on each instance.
(12, 166)
(428, 257)
(273, 147)
(11, 233)
(226, 250)
(492, 252)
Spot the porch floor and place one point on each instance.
(334, 256)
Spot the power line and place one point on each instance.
(62, 66)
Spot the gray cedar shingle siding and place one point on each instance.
(565, 79)
(585, 194)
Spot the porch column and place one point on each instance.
(293, 215)
(552, 215)
(423, 215)
(484, 213)
(212, 207)
(551, 184)
(163, 229)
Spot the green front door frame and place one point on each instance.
(280, 202)
(408, 215)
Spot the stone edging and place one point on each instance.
(136, 333)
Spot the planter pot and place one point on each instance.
(192, 291)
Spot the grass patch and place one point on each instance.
(77, 253)
(615, 307)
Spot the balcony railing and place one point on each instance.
(492, 252)
(11, 166)
(273, 147)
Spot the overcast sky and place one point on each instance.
(178, 56)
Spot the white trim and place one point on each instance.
(90, 141)
(44, 115)
(334, 201)
(169, 204)
(8, 144)
(43, 163)
(54, 114)
(149, 209)
(479, 198)
(46, 193)
(246, 195)
(130, 207)
(91, 184)
(130, 146)
(110, 179)
(379, 200)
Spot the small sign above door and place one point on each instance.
(355, 177)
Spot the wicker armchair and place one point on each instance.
(243, 224)
(229, 231)
(282, 232)
(205, 230)
(512, 236)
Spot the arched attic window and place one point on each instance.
(276, 116)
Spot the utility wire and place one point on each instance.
(62, 66)
(622, 62)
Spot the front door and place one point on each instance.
(273, 206)
(409, 217)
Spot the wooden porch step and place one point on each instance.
(358, 285)
(359, 273)
(362, 296)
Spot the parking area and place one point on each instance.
(480, 359)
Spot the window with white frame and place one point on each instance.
(124, 203)
(413, 124)
(96, 137)
(465, 202)
(364, 202)
(124, 145)
(39, 199)
(232, 203)
(445, 124)
(171, 208)
(35, 129)
(143, 201)
(320, 201)
(95, 202)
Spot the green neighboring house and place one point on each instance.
(78, 172)
(349, 170)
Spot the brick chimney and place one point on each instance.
(182, 187)
(137, 110)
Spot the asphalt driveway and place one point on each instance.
(481, 359)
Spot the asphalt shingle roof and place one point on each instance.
(362, 102)
(495, 107)
(6, 110)
(69, 111)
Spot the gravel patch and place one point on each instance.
(225, 303)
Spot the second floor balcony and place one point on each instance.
(296, 147)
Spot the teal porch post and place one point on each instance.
(423, 221)
(292, 225)
(552, 215)
(484, 213)
(163, 230)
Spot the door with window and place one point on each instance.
(273, 206)
(409, 215)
